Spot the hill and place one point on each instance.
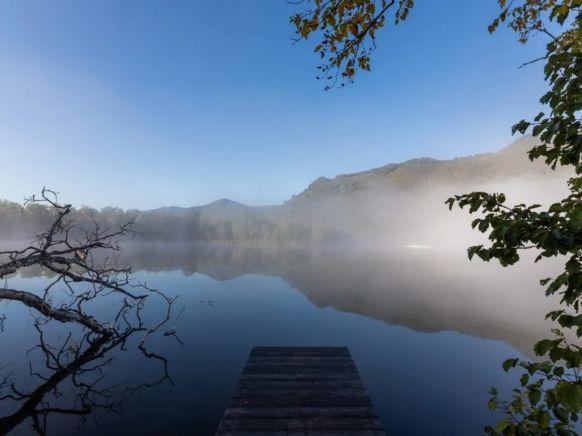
(396, 203)
(424, 173)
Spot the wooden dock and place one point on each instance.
(300, 391)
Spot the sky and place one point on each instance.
(150, 103)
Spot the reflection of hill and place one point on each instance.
(220, 262)
(421, 290)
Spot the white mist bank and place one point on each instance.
(392, 219)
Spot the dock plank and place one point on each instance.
(300, 391)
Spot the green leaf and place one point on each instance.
(502, 425)
(534, 396)
(520, 127)
(544, 419)
(509, 363)
(561, 413)
(570, 395)
(542, 347)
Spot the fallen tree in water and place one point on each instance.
(81, 272)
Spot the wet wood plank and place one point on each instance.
(300, 391)
(300, 351)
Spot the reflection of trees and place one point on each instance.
(82, 276)
(424, 290)
(81, 367)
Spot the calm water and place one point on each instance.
(427, 330)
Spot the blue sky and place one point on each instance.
(143, 103)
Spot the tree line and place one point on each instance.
(19, 223)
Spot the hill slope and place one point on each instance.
(425, 173)
(397, 202)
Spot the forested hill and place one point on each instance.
(423, 173)
(329, 210)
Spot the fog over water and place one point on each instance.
(388, 207)
(415, 320)
(427, 290)
(374, 261)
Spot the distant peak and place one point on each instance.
(422, 160)
(520, 145)
(224, 202)
(319, 181)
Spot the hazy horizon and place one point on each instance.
(386, 207)
(180, 189)
(140, 105)
(63, 195)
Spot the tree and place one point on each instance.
(80, 271)
(64, 366)
(348, 30)
(549, 400)
(550, 397)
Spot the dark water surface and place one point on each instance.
(428, 331)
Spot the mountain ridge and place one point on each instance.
(391, 202)
(420, 173)
(403, 174)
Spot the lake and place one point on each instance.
(427, 329)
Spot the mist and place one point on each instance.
(381, 243)
(399, 206)
(374, 260)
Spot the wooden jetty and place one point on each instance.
(300, 391)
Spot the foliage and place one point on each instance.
(527, 17)
(348, 32)
(549, 400)
(552, 231)
(549, 397)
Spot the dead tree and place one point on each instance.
(82, 270)
(82, 367)
(81, 266)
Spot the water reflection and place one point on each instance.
(69, 373)
(247, 296)
(424, 290)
